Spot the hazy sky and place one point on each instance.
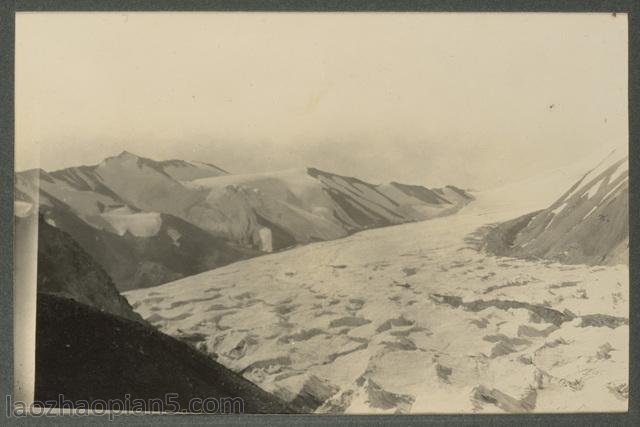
(430, 98)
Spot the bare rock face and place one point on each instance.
(589, 224)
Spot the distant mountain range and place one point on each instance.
(588, 224)
(147, 222)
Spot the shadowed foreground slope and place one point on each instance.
(85, 354)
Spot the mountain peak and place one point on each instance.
(313, 171)
(127, 154)
(127, 159)
(123, 156)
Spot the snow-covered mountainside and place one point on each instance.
(588, 224)
(412, 318)
(305, 205)
(149, 222)
(182, 170)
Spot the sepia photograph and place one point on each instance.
(321, 213)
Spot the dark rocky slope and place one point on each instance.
(177, 250)
(65, 269)
(85, 354)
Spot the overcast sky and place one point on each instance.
(467, 99)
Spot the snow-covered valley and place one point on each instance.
(411, 318)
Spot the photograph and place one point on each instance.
(344, 213)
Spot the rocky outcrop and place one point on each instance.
(589, 224)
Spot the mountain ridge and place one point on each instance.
(588, 223)
(126, 199)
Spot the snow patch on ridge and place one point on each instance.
(594, 189)
(613, 157)
(175, 236)
(266, 239)
(590, 212)
(613, 190)
(622, 168)
(143, 224)
(559, 209)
